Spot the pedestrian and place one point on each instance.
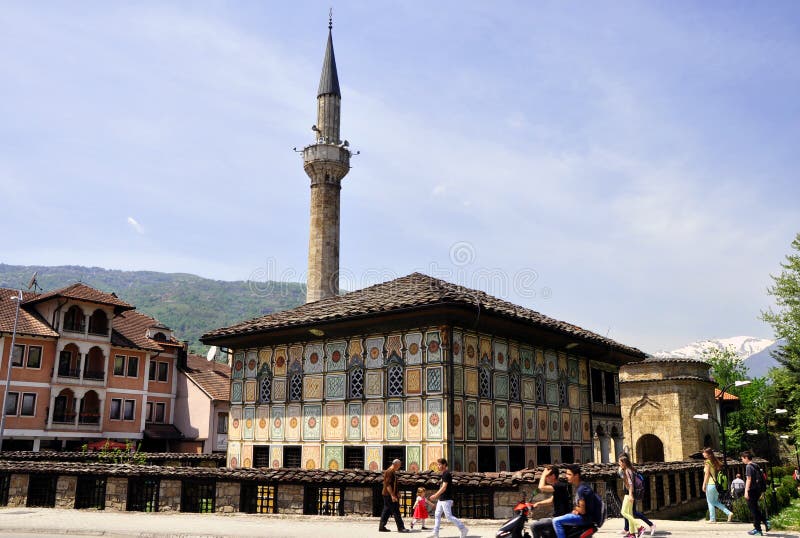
(635, 526)
(737, 486)
(549, 483)
(584, 511)
(420, 508)
(391, 501)
(711, 467)
(444, 502)
(636, 513)
(754, 486)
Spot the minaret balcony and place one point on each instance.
(330, 153)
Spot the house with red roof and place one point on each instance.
(202, 404)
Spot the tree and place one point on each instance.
(726, 365)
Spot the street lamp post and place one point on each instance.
(18, 298)
(723, 416)
(706, 416)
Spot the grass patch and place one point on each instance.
(788, 518)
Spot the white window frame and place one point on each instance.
(22, 404)
(16, 404)
(124, 366)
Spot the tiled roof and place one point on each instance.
(728, 395)
(82, 292)
(130, 330)
(29, 323)
(214, 378)
(409, 292)
(151, 457)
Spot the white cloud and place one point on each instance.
(135, 225)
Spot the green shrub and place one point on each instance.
(740, 510)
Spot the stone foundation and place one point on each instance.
(65, 491)
(290, 498)
(18, 490)
(228, 495)
(169, 496)
(116, 493)
(357, 501)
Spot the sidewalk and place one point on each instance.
(52, 522)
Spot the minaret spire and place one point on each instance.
(326, 162)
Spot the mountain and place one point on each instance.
(756, 352)
(188, 304)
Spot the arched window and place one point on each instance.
(356, 382)
(513, 385)
(74, 320)
(98, 322)
(485, 382)
(265, 390)
(159, 337)
(394, 380)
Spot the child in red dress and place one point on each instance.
(420, 508)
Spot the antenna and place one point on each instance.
(330, 19)
(212, 353)
(32, 283)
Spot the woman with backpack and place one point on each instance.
(712, 467)
(635, 526)
(636, 513)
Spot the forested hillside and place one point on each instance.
(188, 304)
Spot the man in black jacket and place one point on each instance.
(549, 483)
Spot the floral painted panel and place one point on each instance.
(555, 453)
(554, 422)
(434, 408)
(433, 384)
(574, 396)
(313, 358)
(432, 455)
(354, 422)
(237, 372)
(373, 421)
(586, 428)
(279, 389)
(551, 391)
(485, 352)
(502, 458)
(251, 364)
(583, 376)
(336, 356)
(236, 392)
(312, 422)
(471, 381)
(551, 364)
(530, 423)
(575, 422)
(394, 420)
(250, 391)
(458, 347)
(584, 399)
(265, 358)
(334, 422)
(248, 431)
(276, 456)
(530, 457)
(312, 387)
(278, 414)
(566, 426)
(501, 422)
(572, 369)
(235, 429)
(413, 381)
(458, 458)
(247, 455)
(311, 456)
(374, 352)
(486, 422)
(515, 422)
(234, 451)
(413, 348)
(374, 383)
(433, 346)
(335, 385)
(413, 461)
(526, 361)
(470, 350)
(544, 427)
(414, 420)
(471, 415)
(293, 422)
(394, 346)
(501, 386)
(355, 349)
(458, 420)
(296, 353)
(458, 380)
(472, 459)
(500, 352)
(262, 423)
(373, 458)
(528, 389)
(513, 354)
(334, 457)
(562, 363)
(281, 361)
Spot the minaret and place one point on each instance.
(326, 162)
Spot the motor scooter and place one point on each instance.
(516, 527)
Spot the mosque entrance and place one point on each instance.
(649, 448)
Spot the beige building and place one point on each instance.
(659, 400)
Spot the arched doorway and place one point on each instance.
(90, 408)
(649, 448)
(95, 364)
(64, 407)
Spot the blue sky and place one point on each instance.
(626, 166)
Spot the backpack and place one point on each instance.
(638, 486)
(598, 510)
(759, 479)
(721, 479)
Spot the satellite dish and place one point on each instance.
(212, 352)
(32, 282)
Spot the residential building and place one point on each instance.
(202, 404)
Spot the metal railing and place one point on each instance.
(88, 418)
(94, 374)
(64, 371)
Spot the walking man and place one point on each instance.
(754, 486)
(391, 500)
(444, 502)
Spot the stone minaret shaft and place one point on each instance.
(326, 162)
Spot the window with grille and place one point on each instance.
(258, 498)
(684, 493)
(323, 501)
(562, 392)
(659, 491)
(473, 504)
(354, 457)
(198, 495)
(265, 392)
(143, 494)
(292, 457)
(296, 388)
(261, 456)
(5, 482)
(357, 383)
(485, 383)
(672, 488)
(90, 492)
(540, 388)
(42, 490)
(513, 387)
(395, 380)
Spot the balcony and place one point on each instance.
(63, 418)
(94, 374)
(88, 418)
(66, 371)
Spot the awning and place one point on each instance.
(164, 432)
(106, 444)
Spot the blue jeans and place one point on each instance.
(712, 498)
(567, 519)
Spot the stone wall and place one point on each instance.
(357, 501)
(65, 491)
(169, 496)
(290, 498)
(228, 496)
(18, 490)
(116, 493)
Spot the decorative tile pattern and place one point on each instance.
(584, 397)
(394, 379)
(276, 456)
(501, 386)
(247, 455)
(471, 382)
(251, 364)
(262, 423)
(529, 422)
(336, 356)
(433, 346)
(279, 389)
(574, 397)
(433, 382)
(265, 390)
(539, 363)
(586, 428)
(575, 422)
(502, 458)
(374, 383)
(313, 358)
(235, 424)
(373, 459)
(434, 412)
(249, 422)
(544, 427)
(373, 421)
(334, 418)
(515, 422)
(293, 422)
(250, 391)
(355, 348)
(501, 422)
(458, 458)
(472, 459)
(458, 420)
(265, 358)
(374, 352)
(296, 354)
(528, 390)
(311, 456)
(458, 380)
(394, 346)
(562, 363)
(552, 392)
(572, 369)
(471, 415)
(500, 352)
(583, 375)
(335, 385)
(566, 426)
(432, 455)
(513, 354)
(277, 423)
(471, 350)
(413, 381)
(414, 420)
(394, 420)
(485, 352)
(413, 461)
(413, 343)
(530, 457)
(551, 365)
(312, 422)
(526, 361)
(236, 392)
(237, 371)
(555, 453)
(312, 387)
(234, 450)
(554, 423)
(354, 422)
(281, 361)
(486, 423)
(458, 347)
(334, 457)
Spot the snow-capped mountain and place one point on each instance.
(756, 352)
